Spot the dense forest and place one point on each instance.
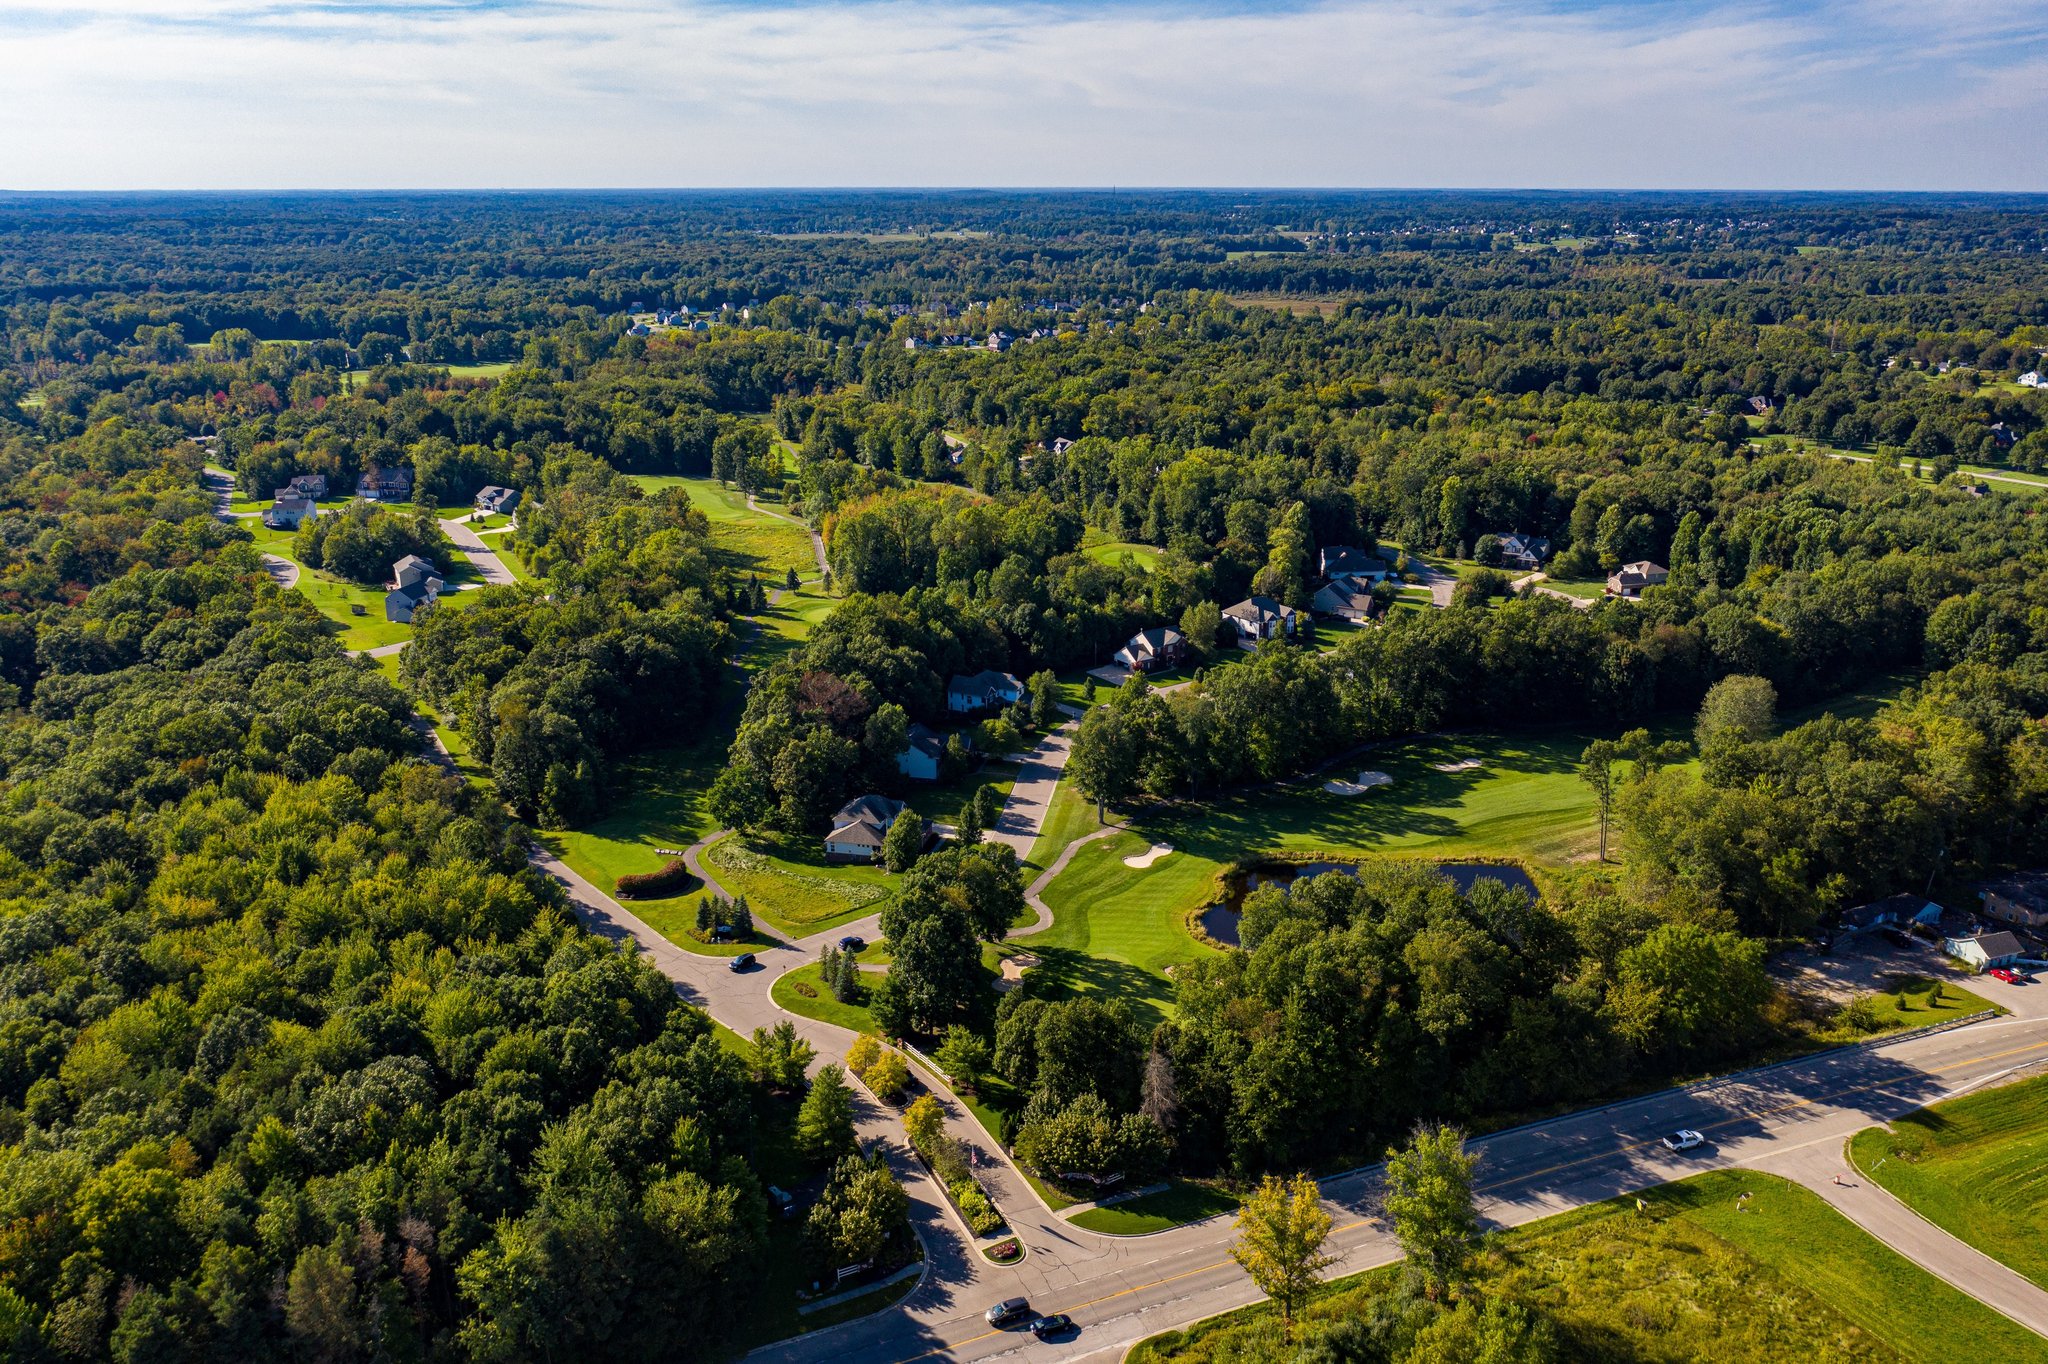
(300, 1059)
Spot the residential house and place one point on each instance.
(1523, 551)
(385, 485)
(415, 583)
(493, 499)
(1894, 911)
(2032, 379)
(986, 690)
(1259, 618)
(859, 828)
(1162, 646)
(2003, 436)
(1985, 950)
(999, 341)
(1347, 598)
(1759, 405)
(312, 486)
(1348, 561)
(638, 329)
(2021, 898)
(913, 343)
(1630, 579)
(287, 511)
(1061, 445)
(921, 757)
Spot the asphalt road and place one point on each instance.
(1790, 1118)
(1120, 1290)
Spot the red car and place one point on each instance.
(2006, 974)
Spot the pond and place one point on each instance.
(1219, 921)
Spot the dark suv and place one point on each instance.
(1008, 1312)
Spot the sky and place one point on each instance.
(235, 94)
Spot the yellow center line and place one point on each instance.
(1516, 1179)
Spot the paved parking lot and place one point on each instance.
(1869, 962)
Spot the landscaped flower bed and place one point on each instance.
(1005, 1252)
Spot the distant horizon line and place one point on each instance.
(1106, 190)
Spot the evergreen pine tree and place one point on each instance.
(742, 918)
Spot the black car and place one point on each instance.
(850, 943)
(743, 962)
(1058, 1324)
(1008, 1312)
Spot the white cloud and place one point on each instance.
(254, 93)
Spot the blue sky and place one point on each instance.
(1840, 94)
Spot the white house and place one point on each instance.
(288, 511)
(2032, 379)
(1986, 950)
(415, 583)
(1523, 551)
(920, 758)
(1162, 646)
(1630, 579)
(859, 828)
(1257, 618)
(983, 691)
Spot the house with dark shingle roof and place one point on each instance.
(922, 753)
(1161, 646)
(1986, 950)
(985, 690)
(1259, 618)
(859, 828)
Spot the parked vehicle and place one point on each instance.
(1008, 1312)
(2007, 974)
(784, 1204)
(1684, 1139)
(743, 962)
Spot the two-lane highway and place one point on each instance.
(1121, 1289)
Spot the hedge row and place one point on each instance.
(672, 879)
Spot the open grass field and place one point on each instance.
(1299, 307)
(784, 624)
(488, 370)
(1173, 1207)
(1977, 1167)
(1690, 1279)
(1116, 930)
(789, 884)
(752, 540)
(1146, 557)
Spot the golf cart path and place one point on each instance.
(1823, 1169)
(817, 540)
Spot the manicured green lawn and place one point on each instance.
(1068, 815)
(1524, 800)
(1906, 1006)
(784, 625)
(752, 540)
(819, 1003)
(489, 370)
(788, 882)
(1173, 1207)
(1974, 1167)
(943, 802)
(1116, 929)
(1690, 1279)
(1146, 557)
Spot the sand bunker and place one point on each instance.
(1149, 856)
(1366, 781)
(1016, 965)
(1462, 765)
